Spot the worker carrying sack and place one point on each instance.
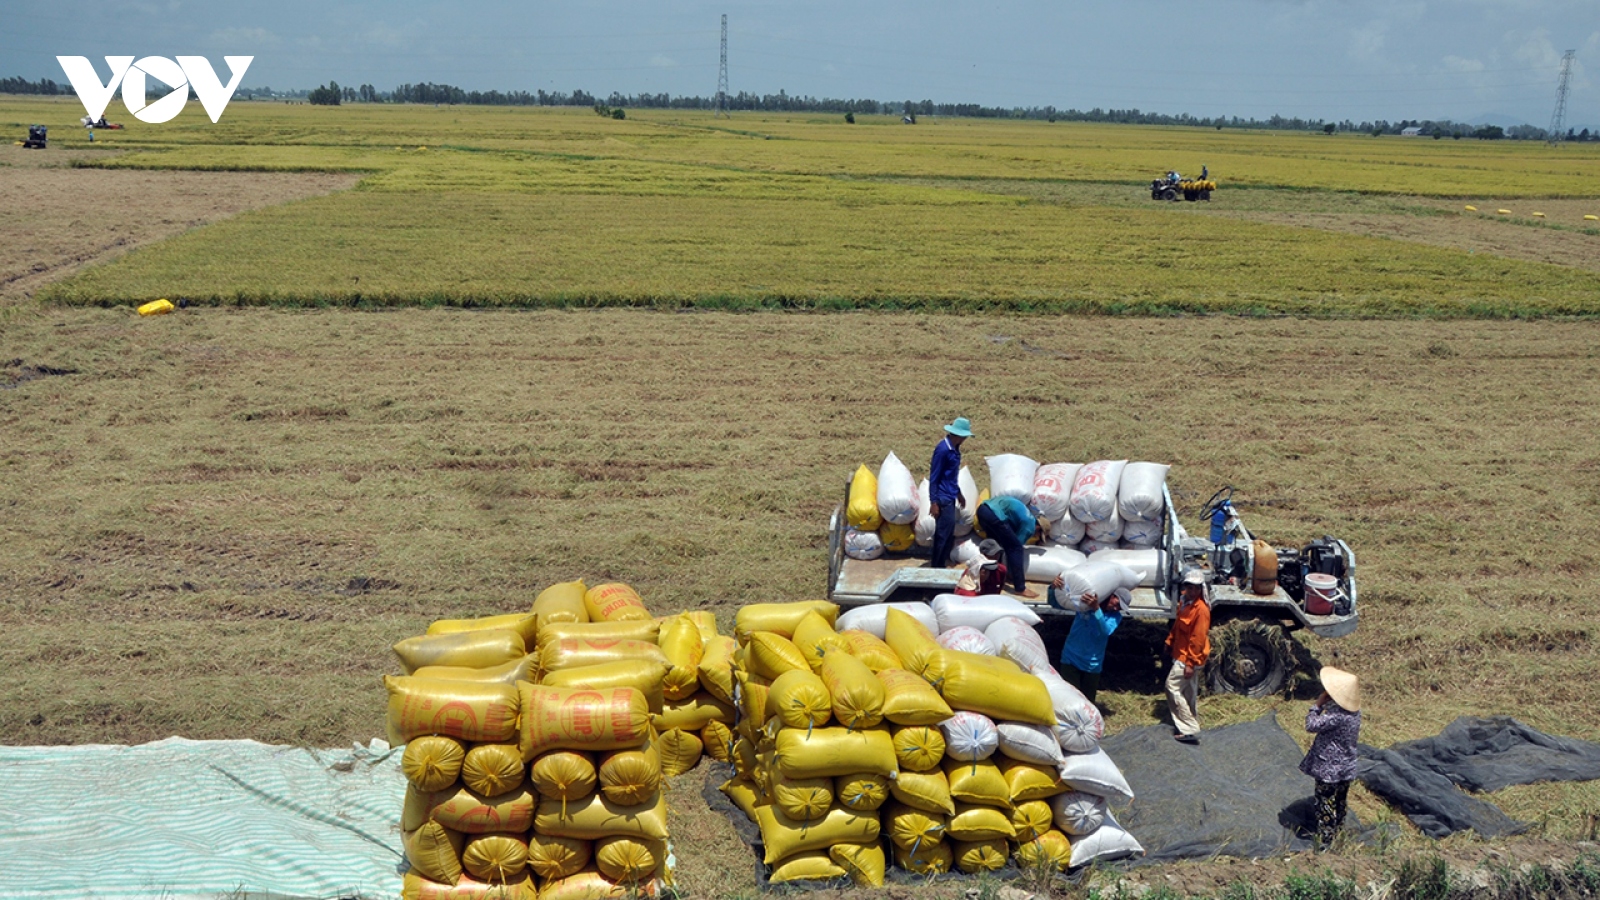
(897, 492)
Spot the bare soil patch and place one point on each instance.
(60, 219)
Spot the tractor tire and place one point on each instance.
(1191, 196)
(1169, 194)
(1250, 659)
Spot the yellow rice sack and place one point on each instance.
(799, 699)
(871, 650)
(784, 837)
(525, 624)
(432, 763)
(716, 667)
(415, 887)
(815, 638)
(857, 693)
(519, 669)
(980, 823)
(614, 602)
(629, 860)
(560, 603)
(469, 812)
(680, 751)
(458, 709)
(469, 649)
(744, 758)
(695, 713)
(718, 739)
(995, 687)
(927, 858)
(1030, 781)
(597, 816)
(562, 775)
(495, 857)
(978, 782)
(647, 630)
(915, 645)
(813, 865)
(630, 777)
(973, 857)
(743, 793)
(897, 538)
(1031, 818)
(575, 719)
(415, 808)
(573, 653)
(1051, 850)
(918, 748)
(861, 792)
(802, 799)
(492, 769)
(927, 791)
(646, 676)
(778, 618)
(772, 655)
(434, 852)
(861, 510)
(909, 700)
(864, 863)
(754, 698)
(706, 621)
(827, 752)
(680, 642)
(556, 857)
(909, 827)
(586, 885)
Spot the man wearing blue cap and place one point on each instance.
(944, 489)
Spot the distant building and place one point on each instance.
(1413, 131)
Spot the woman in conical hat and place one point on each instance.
(1335, 719)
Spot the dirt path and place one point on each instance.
(60, 219)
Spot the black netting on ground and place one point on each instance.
(1487, 754)
(1436, 806)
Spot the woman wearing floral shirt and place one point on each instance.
(1335, 719)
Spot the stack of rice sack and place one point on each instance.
(532, 746)
(1106, 511)
(890, 511)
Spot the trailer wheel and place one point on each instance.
(1248, 658)
(1169, 194)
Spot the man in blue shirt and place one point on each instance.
(1010, 522)
(1084, 653)
(944, 489)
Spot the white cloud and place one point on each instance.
(246, 39)
(663, 62)
(1367, 42)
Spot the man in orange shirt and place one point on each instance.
(1189, 642)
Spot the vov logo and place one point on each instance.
(187, 72)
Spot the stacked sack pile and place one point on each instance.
(940, 731)
(536, 745)
(890, 511)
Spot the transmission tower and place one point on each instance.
(1558, 119)
(722, 74)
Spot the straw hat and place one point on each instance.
(1343, 687)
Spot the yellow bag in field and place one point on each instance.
(870, 650)
(680, 641)
(575, 719)
(753, 700)
(995, 687)
(562, 775)
(1051, 850)
(1031, 818)
(862, 792)
(520, 669)
(470, 649)
(814, 865)
(680, 751)
(472, 813)
(799, 699)
(908, 826)
(560, 603)
(909, 700)
(694, 713)
(718, 738)
(745, 760)
(973, 857)
(778, 618)
(706, 621)
(802, 799)
(646, 676)
(432, 763)
(630, 777)
(827, 752)
(918, 748)
(862, 508)
(434, 852)
(597, 817)
(414, 887)
(1030, 781)
(716, 667)
(915, 645)
(458, 709)
(980, 823)
(492, 769)
(628, 859)
(977, 782)
(647, 630)
(586, 885)
(556, 857)
(772, 655)
(743, 794)
(415, 808)
(573, 653)
(864, 863)
(897, 538)
(614, 602)
(815, 638)
(927, 858)
(495, 857)
(857, 693)
(927, 791)
(525, 624)
(783, 837)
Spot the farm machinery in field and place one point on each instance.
(1172, 186)
(38, 138)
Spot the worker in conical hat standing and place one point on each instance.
(1335, 719)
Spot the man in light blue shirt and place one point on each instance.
(1084, 653)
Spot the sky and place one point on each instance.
(1316, 59)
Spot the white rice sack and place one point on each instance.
(1098, 578)
(964, 552)
(968, 639)
(969, 509)
(871, 619)
(1079, 725)
(1045, 563)
(1109, 841)
(1149, 562)
(897, 492)
(1089, 546)
(926, 523)
(1139, 491)
(1029, 743)
(1011, 475)
(862, 544)
(969, 736)
(1052, 486)
(1076, 812)
(1016, 640)
(1095, 773)
(1141, 532)
(1094, 491)
(978, 612)
(1065, 532)
(1109, 529)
